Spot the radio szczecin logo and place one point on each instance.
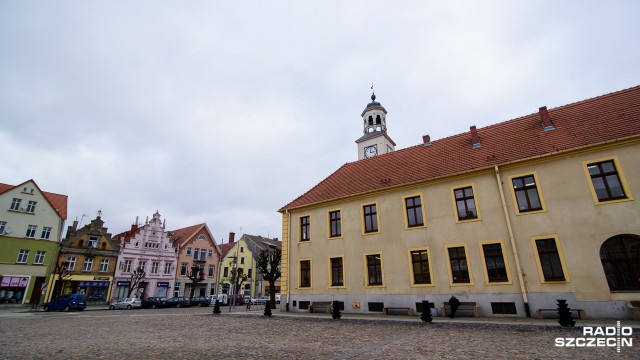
(607, 336)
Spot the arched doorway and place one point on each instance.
(620, 256)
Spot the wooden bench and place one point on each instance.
(553, 313)
(468, 308)
(320, 307)
(398, 311)
(634, 309)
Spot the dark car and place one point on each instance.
(178, 302)
(200, 301)
(154, 302)
(67, 302)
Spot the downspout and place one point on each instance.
(288, 258)
(523, 288)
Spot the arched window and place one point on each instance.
(620, 256)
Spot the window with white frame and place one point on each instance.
(3, 226)
(93, 241)
(15, 204)
(87, 264)
(71, 263)
(127, 266)
(196, 254)
(31, 206)
(142, 265)
(39, 259)
(23, 255)
(154, 267)
(104, 265)
(211, 270)
(167, 268)
(31, 231)
(46, 232)
(210, 252)
(189, 251)
(203, 254)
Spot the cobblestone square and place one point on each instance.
(196, 333)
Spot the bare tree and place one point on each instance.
(268, 265)
(238, 277)
(196, 275)
(136, 278)
(63, 274)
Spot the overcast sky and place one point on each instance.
(224, 111)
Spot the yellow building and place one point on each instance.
(512, 217)
(241, 255)
(86, 263)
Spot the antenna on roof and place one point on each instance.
(83, 216)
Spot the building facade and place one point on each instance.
(86, 263)
(31, 222)
(196, 247)
(512, 216)
(145, 248)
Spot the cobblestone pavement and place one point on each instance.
(196, 333)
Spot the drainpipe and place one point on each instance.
(288, 258)
(523, 288)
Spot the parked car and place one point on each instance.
(236, 299)
(222, 298)
(154, 302)
(263, 300)
(126, 303)
(200, 301)
(277, 298)
(67, 302)
(178, 302)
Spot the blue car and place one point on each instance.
(67, 302)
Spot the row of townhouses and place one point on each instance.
(510, 217)
(37, 263)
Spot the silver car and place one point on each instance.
(126, 303)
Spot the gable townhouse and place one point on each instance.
(86, 262)
(198, 256)
(240, 257)
(31, 223)
(512, 216)
(147, 248)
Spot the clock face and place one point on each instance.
(370, 151)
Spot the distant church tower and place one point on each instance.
(375, 140)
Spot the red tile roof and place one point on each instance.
(605, 118)
(57, 201)
(181, 235)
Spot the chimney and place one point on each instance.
(232, 237)
(75, 225)
(546, 119)
(426, 140)
(475, 140)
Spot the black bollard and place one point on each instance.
(267, 309)
(335, 312)
(216, 307)
(564, 314)
(426, 312)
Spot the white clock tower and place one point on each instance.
(375, 140)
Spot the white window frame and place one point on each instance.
(46, 232)
(15, 204)
(39, 259)
(104, 265)
(71, 263)
(127, 266)
(31, 231)
(23, 256)
(87, 265)
(31, 206)
(154, 267)
(93, 241)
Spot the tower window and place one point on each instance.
(378, 120)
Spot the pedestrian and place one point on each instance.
(454, 303)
